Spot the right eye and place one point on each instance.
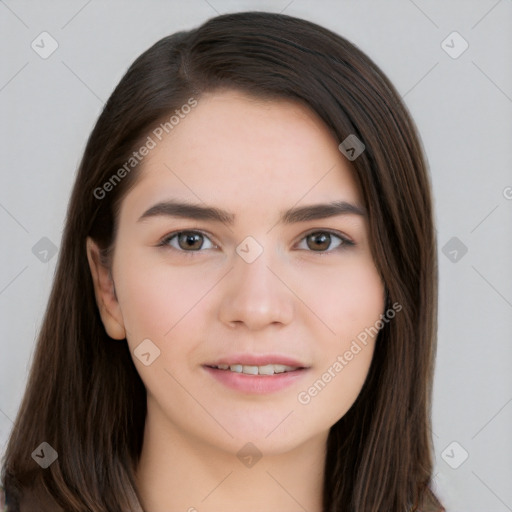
(186, 241)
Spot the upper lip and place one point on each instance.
(257, 360)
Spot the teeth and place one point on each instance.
(269, 369)
(251, 370)
(266, 370)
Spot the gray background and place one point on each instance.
(461, 105)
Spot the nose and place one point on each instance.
(255, 294)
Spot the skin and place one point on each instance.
(253, 158)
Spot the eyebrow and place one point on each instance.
(173, 208)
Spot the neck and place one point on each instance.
(180, 473)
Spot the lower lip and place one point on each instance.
(257, 384)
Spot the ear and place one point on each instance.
(106, 299)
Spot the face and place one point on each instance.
(271, 284)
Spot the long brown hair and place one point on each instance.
(84, 396)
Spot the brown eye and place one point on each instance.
(319, 241)
(187, 241)
(190, 240)
(325, 241)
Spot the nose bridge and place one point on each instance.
(255, 295)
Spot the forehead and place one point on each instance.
(249, 152)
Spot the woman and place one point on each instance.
(244, 309)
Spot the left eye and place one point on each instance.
(188, 241)
(320, 241)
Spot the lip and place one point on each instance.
(258, 360)
(256, 384)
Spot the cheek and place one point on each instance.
(348, 298)
(351, 303)
(333, 389)
(166, 306)
(156, 299)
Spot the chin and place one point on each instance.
(272, 433)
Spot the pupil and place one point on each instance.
(321, 239)
(191, 239)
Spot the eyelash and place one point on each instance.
(345, 242)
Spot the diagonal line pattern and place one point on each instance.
(206, 1)
(420, 80)
(7, 416)
(12, 422)
(199, 403)
(492, 81)
(483, 483)
(82, 81)
(75, 15)
(12, 280)
(493, 287)
(14, 76)
(14, 218)
(217, 486)
(491, 419)
(284, 489)
(280, 423)
(13, 13)
(491, 9)
(492, 211)
(286, 7)
(424, 14)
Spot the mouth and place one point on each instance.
(267, 369)
(257, 374)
